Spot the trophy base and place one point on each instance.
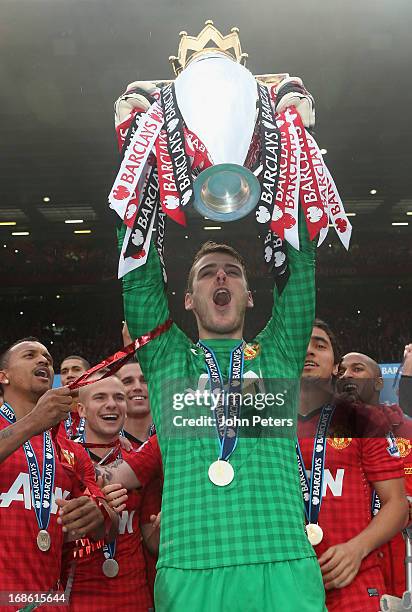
(226, 192)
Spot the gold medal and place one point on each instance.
(110, 568)
(43, 540)
(314, 533)
(221, 473)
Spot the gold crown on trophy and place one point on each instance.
(209, 39)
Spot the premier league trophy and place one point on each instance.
(227, 142)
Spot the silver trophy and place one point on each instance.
(217, 98)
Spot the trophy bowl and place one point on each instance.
(226, 192)
(217, 98)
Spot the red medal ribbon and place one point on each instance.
(115, 361)
(100, 444)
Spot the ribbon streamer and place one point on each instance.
(114, 362)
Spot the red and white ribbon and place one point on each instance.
(135, 159)
(337, 213)
(169, 195)
(127, 264)
(310, 197)
(320, 171)
(197, 151)
(292, 195)
(277, 221)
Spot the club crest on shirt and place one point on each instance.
(68, 456)
(339, 442)
(251, 351)
(404, 447)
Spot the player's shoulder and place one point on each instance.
(149, 445)
(401, 423)
(361, 420)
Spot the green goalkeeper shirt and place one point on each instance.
(259, 516)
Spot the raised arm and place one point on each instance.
(293, 312)
(146, 307)
(51, 408)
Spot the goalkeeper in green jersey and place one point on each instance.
(232, 534)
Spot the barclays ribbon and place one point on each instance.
(312, 491)
(41, 485)
(226, 410)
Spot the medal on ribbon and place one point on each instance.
(41, 484)
(312, 490)
(227, 411)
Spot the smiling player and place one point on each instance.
(39, 474)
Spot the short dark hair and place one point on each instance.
(4, 358)
(214, 247)
(79, 358)
(337, 352)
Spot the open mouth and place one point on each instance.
(349, 388)
(222, 297)
(310, 364)
(42, 373)
(109, 418)
(137, 398)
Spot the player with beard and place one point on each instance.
(40, 474)
(232, 533)
(115, 576)
(71, 368)
(349, 461)
(360, 380)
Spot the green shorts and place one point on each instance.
(284, 586)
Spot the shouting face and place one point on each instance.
(219, 296)
(28, 369)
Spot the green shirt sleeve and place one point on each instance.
(293, 312)
(146, 307)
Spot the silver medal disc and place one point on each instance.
(43, 540)
(110, 568)
(314, 533)
(221, 473)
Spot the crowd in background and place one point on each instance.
(89, 323)
(71, 262)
